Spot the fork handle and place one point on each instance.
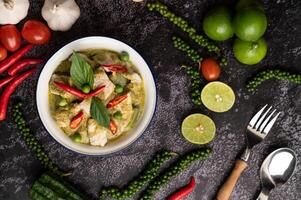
(225, 191)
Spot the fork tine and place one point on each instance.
(256, 116)
(266, 121)
(270, 124)
(262, 118)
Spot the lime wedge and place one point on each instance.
(218, 96)
(198, 129)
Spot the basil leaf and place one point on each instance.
(81, 72)
(99, 112)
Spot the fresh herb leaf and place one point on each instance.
(81, 72)
(99, 112)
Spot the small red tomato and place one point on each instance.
(210, 69)
(36, 32)
(3, 53)
(10, 37)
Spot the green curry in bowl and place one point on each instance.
(96, 96)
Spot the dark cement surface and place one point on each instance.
(150, 35)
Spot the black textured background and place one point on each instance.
(150, 35)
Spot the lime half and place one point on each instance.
(198, 129)
(218, 96)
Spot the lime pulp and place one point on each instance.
(218, 96)
(198, 129)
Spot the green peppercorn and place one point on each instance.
(269, 74)
(32, 143)
(173, 171)
(146, 176)
(183, 25)
(183, 46)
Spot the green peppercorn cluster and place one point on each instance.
(32, 143)
(272, 73)
(186, 48)
(173, 171)
(195, 76)
(148, 174)
(192, 72)
(184, 26)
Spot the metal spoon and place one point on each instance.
(276, 169)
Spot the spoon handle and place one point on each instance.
(225, 191)
(263, 195)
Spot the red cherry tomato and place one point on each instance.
(3, 53)
(36, 32)
(10, 37)
(210, 69)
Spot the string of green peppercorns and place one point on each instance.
(272, 73)
(191, 52)
(195, 76)
(184, 26)
(173, 171)
(148, 174)
(32, 143)
(192, 72)
(186, 48)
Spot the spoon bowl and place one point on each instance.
(276, 169)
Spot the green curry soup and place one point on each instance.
(96, 95)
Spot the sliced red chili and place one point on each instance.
(113, 127)
(183, 191)
(96, 92)
(77, 92)
(17, 67)
(14, 58)
(116, 101)
(6, 80)
(4, 99)
(75, 122)
(115, 68)
(70, 89)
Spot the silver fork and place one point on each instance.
(258, 128)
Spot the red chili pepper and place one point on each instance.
(16, 68)
(183, 191)
(75, 122)
(115, 68)
(4, 99)
(14, 58)
(113, 127)
(96, 92)
(116, 101)
(77, 92)
(6, 80)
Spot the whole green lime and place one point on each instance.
(250, 24)
(250, 53)
(244, 4)
(217, 24)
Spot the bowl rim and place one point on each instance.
(142, 125)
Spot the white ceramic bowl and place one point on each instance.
(64, 53)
